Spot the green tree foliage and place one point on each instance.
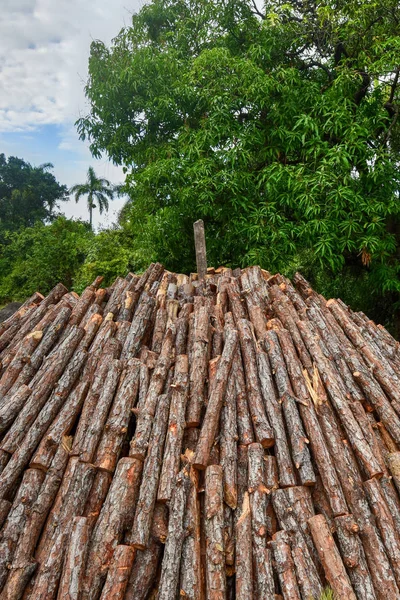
(27, 194)
(109, 254)
(97, 190)
(38, 257)
(279, 127)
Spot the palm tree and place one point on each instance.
(95, 188)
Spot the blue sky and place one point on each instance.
(44, 49)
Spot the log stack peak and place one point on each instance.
(167, 437)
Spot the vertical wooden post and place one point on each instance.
(200, 245)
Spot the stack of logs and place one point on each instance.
(235, 437)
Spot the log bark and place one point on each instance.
(211, 418)
(15, 522)
(214, 532)
(244, 562)
(285, 568)
(176, 427)
(176, 532)
(262, 428)
(22, 357)
(198, 366)
(191, 581)
(151, 473)
(282, 452)
(74, 563)
(330, 558)
(118, 573)
(138, 330)
(384, 521)
(144, 571)
(97, 496)
(116, 427)
(353, 557)
(182, 329)
(115, 517)
(228, 444)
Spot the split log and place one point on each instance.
(173, 547)
(244, 563)
(115, 517)
(143, 574)
(118, 574)
(198, 366)
(211, 418)
(330, 558)
(74, 563)
(285, 567)
(353, 557)
(176, 427)
(262, 428)
(151, 472)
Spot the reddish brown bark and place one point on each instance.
(244, 562)
(144, 571)
(330, 558)
(198, 365)
(118, 573)
(211, 418)
(74, 563)
(284, 566)
(176, 427)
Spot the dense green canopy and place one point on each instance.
(27, 194)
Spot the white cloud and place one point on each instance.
(44, 51)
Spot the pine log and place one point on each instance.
(198, 365)
(353, 557)
(18, 580)
(236, 305)
(97, 495)
(143, 574)
(191, 580)
(160, 325)
(151, 473)
(15, 522)
(384, 521)
(60, 427)
(211, 418)
(274, 412)
(214, 532)
(115, 517)
(74, 563)
(138, 330)
(40, 509)
(244, 563)
(118, 574)
(10, 410)
(176, 532)
(176, 427)
(393, 462)
(118, 420)
(22, 356)
(96, 425)
(330, 558)
(244, 423)
(334, 387)
(262, 428)
(284, 566)
(228, 444)
(182, 327)
(318, 442)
